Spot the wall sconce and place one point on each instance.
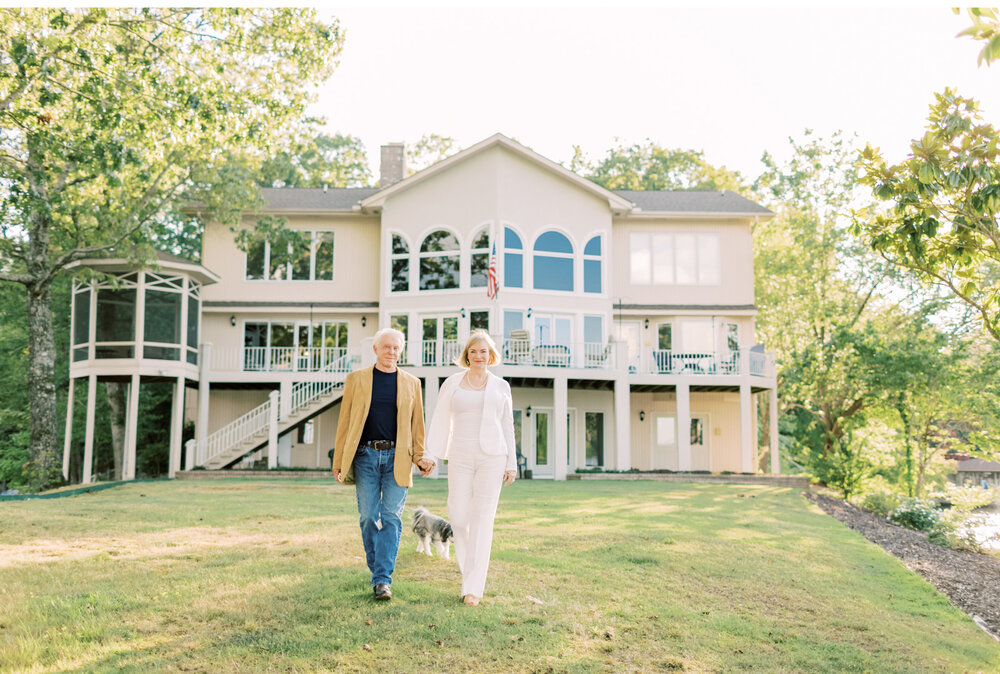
(529, 312)
(647, 324)
(232, 321)
(364, 321)
(527, 412)
(463, 312)
(642, 415)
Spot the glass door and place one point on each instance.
(630, 332)
(303, 350)
(553, 336)
(543, 437)
(700, 453)
(440, 340)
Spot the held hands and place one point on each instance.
(508, 477)
(338, 476)
(425, 466)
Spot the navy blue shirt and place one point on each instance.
(381, 421)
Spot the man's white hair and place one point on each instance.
(389, 332)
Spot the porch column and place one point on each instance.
(683, 427)
(131, 429)
(560, 437)
(746, 430)
(285, 400)
(623, 424)
(272, 431)
(68, 438)
(88, 442)
(204, 389)
(176, 428)
(772, 419)
(431, 389)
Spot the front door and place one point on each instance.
(631, 333)
(700, 452)
(664, 443)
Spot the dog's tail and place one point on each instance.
(418, 514)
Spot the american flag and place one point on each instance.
(492, 284)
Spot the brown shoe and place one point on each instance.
(382, 592)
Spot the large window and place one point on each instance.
(479, 320)
(115, 322)
(162, 324)
(400, 264)
(593, 329)
(592, 266)
(674, 259)
(439, 261)
(81, 323)
(310, 259)
(513, 259)
(665, 336)
(480, 259)
(552, 266)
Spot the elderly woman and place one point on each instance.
(473, 428)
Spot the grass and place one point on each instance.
(267, 575)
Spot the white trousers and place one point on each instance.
(474, 482)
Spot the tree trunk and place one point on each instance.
(116, 401)
(45, 455)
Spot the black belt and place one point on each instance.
(381, 444)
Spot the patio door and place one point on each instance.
(541, 452)
(631, 333)
(440, 340)
(664, 443)
(303, 347)
(701, 456)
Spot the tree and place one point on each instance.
(939, 208)
(653, 167)
(108, 117)
(429, 150)
(318, 160)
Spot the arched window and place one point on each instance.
(400, 264)
(480, 258)
(439, 261)
(592, 266)
(513, 259)
(553, 262)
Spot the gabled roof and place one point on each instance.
(722, 202)
(978, 465)
(617, 203)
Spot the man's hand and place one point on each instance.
(425, 466)
(336, 474)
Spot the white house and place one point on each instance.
(625, 319)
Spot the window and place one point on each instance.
(553, 262)
(593, 329)
(697, 431)
(335, 335)
(592, 266)
(400, 264)
(81, 317)
(115, 322)
(553, 329)
(594, 422)
(674, 259)
(665, 336)
(479, 320)
(400, 322)
(541, 439)
(439, 261)
(732, 336)
(310, 259)
(480, 259)
(306, 433)
(512, 320)
(162, 324)
(513, 259)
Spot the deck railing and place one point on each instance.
(282, 359)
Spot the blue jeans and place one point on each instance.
(380, 504)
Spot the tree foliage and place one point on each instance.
(429, 150)
(650, 166)
(939, 208)
(317, 159)
(109, 117)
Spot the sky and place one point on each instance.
(732, 83)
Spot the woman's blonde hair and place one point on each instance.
(478, 336)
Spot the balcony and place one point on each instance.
(284, 359)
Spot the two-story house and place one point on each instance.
(625, 319)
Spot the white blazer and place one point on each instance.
(496, 435)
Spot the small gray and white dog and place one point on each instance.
(431, 529)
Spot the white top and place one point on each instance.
(467, 415)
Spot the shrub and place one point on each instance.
(881, 502)
(914, 513)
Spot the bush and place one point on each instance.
(915, 513)
(881, 502)
(965, 499)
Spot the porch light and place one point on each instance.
(647, 324)
(463, 312)
(529, 312)
(232, 321)
(364, 321)
(527, 412)
(642, 415)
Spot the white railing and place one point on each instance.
(669, 361)
(281, 359)
(438, 352)
(235, 432)
(307, 392)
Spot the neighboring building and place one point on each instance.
(977, 473)
(625, 319)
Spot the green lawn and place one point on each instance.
(255, 575)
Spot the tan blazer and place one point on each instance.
(409, 424)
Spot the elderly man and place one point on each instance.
(380, 436)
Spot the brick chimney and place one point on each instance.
(392, 168)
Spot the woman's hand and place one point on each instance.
(508, 477)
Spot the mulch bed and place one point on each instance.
(970, 580)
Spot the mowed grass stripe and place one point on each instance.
(257, 575)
